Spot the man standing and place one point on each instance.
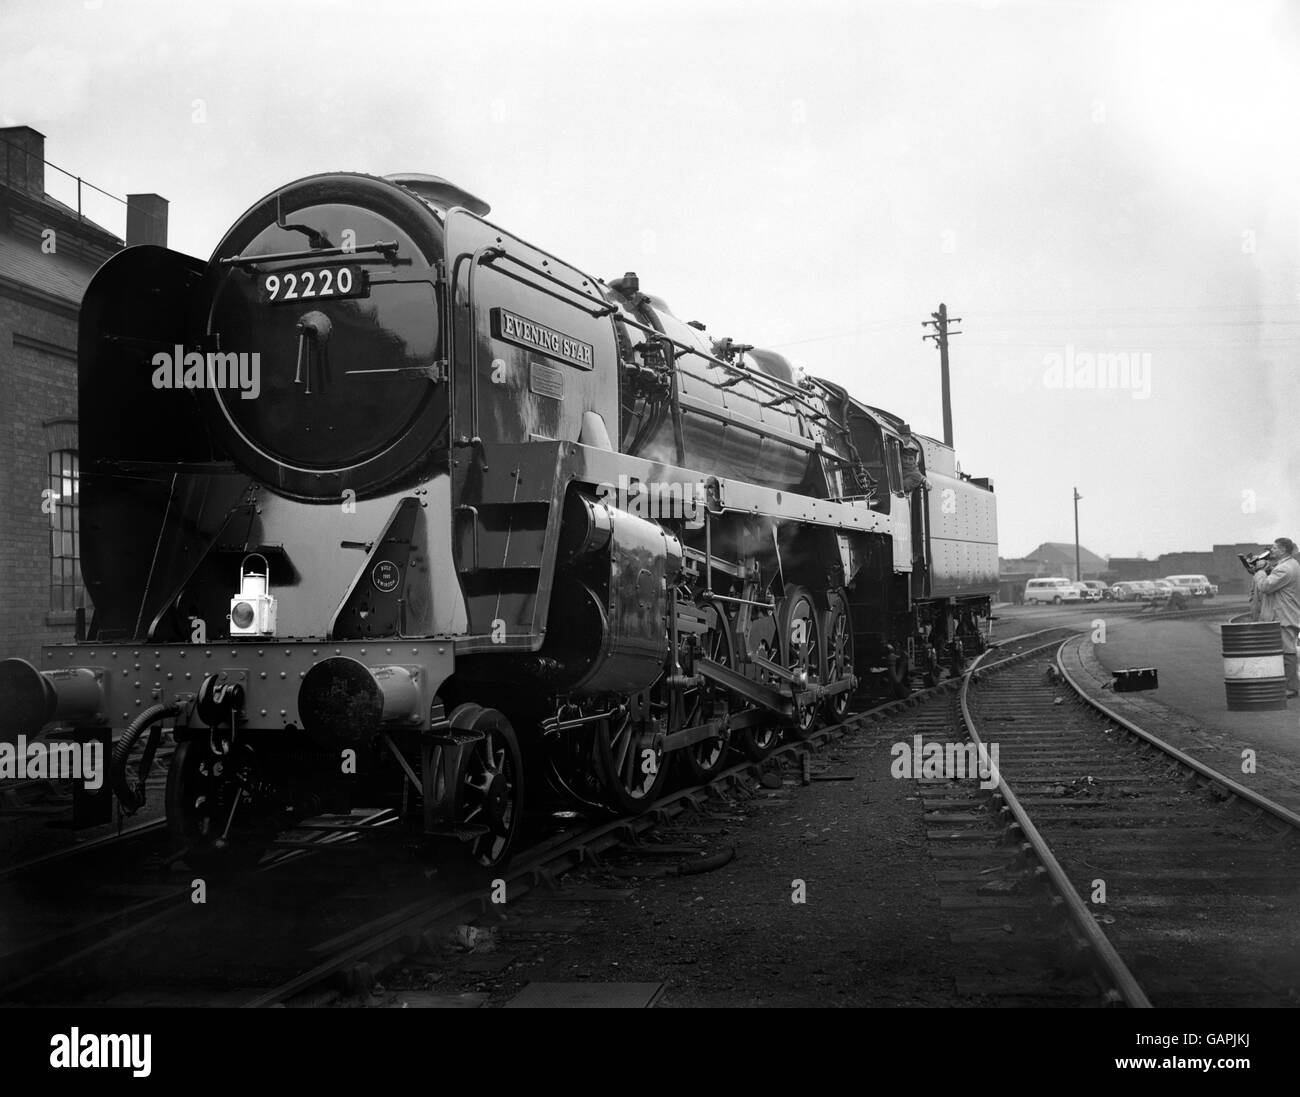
(1278, 586)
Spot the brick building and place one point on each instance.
(1132, 568)
(1220, 565)
(48, 252)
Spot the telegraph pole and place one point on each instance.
(1078, 573)
(940, 336)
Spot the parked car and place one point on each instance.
(1055, 590)
(1198, 586)
(1087, 593)
(1127, 590)
(1163, 591)
(1101, 590)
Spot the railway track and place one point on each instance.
(139, 940)
(1036, 945)
(1180, 887)
(1186, 860)
(27, 815)
(83, 916)
(368, 950)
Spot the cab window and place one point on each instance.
(895, 467)
(871, 452)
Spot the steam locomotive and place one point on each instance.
(383, 504)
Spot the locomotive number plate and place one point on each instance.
(312, 284)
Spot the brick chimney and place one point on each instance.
(22, 159)
(146, 220)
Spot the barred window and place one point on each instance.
(66, 591)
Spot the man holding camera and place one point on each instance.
(1277, 587)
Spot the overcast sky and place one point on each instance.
(1072, 179)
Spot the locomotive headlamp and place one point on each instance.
(252, 610)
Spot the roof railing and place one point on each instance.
(15, 178)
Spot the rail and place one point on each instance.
(1078, 914)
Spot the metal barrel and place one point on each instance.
(1253, 674)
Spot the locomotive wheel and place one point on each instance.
(492, 783)
(200, 796)
(900, 675)
(757, 742)
(957, 659)
(630, 769)
(701, 761)
(933, 672)
(800, 641)
(839, 655)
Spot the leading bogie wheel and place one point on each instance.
(208, 809)
(492, 784)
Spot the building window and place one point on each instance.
(66, 591)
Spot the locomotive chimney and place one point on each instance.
(23, 157)
(146, 220)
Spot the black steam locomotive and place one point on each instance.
(382, 504)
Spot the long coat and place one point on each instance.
(1279, 592)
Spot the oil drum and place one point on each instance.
(1253, 675)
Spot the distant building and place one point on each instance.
(48, 252)
(1048, 559)
(1128, 568)
(1057, 558)
(1220, 565)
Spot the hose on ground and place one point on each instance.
(706, 864)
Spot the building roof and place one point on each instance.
(1062, 552)
(58, 275)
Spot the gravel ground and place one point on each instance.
(870, 932)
